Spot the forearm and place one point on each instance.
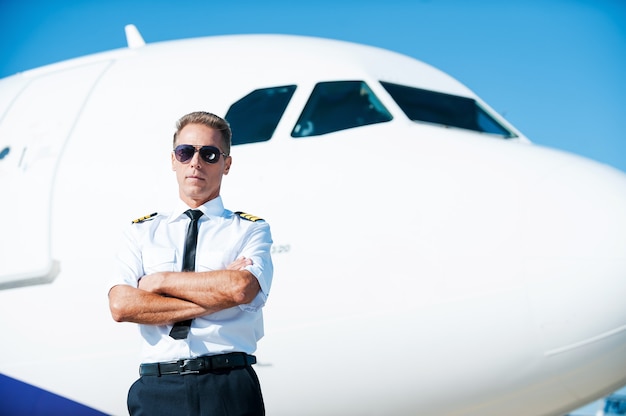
(129, 304)
(214, 290)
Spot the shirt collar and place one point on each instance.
(212, 208)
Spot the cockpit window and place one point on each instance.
(445, 109)
(255, 117)
(339, 105)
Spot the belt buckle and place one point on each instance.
(186, 366)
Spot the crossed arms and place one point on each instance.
(167, 297)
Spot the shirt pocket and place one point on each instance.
(159, 260)
(212, 260)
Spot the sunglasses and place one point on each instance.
(210, 154)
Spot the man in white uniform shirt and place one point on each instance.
(199, 323)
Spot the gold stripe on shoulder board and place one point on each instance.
(249, 217)
(144, 218)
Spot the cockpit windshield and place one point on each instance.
(255, 117)
(339, 105)
(445, 109)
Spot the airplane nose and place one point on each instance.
(575, 270)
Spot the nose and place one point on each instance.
(194, 162)
(575, 271)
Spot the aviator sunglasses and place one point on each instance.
(210, 154)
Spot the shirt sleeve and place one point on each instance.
(258, 249)
(128, 261)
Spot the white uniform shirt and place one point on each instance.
(157, 244)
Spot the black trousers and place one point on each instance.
(233, 392)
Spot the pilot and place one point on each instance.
(195, 280)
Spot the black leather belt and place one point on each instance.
(199, 365)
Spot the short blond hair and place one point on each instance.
(210, 120)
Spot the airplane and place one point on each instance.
(429, 258)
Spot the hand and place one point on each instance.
(151, 282)
(239, 264)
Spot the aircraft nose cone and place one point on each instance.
(575, 268)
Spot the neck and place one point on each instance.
(196, 202)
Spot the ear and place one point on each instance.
(173, 161)
(227, 161)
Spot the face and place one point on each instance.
(199, 181)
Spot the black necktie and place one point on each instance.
(180, 330)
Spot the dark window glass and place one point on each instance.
(255, 117)
(339, 105)
(445, 109)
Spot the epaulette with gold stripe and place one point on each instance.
(248, 217)
(144, 218)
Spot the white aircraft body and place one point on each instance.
(429, 259)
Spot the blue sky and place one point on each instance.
(553, 68)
